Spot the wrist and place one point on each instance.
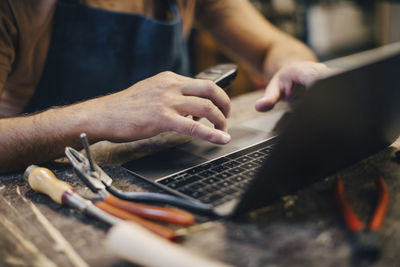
(283, 55)
(69, 122)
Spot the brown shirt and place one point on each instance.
(25, 33)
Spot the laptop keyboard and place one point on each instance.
(223, 179)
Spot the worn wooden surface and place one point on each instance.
(304, 229)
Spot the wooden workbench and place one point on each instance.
(304, 229)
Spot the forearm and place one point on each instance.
(283, 52)
(39, 138)
(248, 37)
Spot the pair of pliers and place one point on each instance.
(99, 182)
(366, 244)
(93, 176)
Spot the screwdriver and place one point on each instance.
(44, 181)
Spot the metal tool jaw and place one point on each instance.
(97, 180)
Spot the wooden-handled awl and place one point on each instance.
(44, 181)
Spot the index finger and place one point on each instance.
(270, 97)
(193, 128)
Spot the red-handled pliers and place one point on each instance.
(366, 243)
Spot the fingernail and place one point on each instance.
(259, 102)
(225, 138)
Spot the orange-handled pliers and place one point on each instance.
(126, 211)
(93, 177)
(366, 244)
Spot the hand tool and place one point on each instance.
(365, 240)
(44, 181)
(90, 177)
(99, 182)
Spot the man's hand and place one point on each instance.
(147, 108)
(159, 104)
(266, 51)
(282, 83)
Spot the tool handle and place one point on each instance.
(381, 208)
(150, 197)
(353, 222)
(169, 215)
(155, 228)
(139, 246)
(44, 181)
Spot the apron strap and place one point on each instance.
(173, 6)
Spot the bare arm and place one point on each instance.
(247, 36)
(38, 138)
(147, 108)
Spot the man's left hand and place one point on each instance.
(282, 83)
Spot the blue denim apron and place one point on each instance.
(95, 52)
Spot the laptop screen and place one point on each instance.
(340, 120)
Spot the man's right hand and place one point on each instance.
(147, 108)
(159, 104)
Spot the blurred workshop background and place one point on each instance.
(332, 28)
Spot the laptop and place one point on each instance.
(339, 120)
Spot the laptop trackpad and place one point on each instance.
(164, 163)
(192, 153)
